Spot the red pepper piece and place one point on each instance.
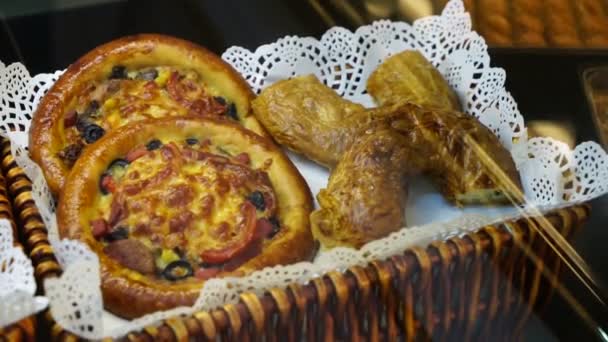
(221, 255)
(136, 153)
(99, 228)
(118, 209)
(108, 184)
(243, 158)
(252, 250)
(175, 88)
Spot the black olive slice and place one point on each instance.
(70, 153)
(119, 233)
(91, 110)
(118, 163)
(154, 144)
(220, 100)
(92, 133)
(118, 167)
(82, 122)
(232, 113)
(118, 72)
(276, 226)
(177, 270)
(257, 199)
(191, 141)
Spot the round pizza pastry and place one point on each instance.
(130, 79)
(168, 203)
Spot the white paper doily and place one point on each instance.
(17, 283)
(553, 175)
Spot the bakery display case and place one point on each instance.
(503, 23)
(334, 176)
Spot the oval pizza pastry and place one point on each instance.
(130, 79)
(168, 203)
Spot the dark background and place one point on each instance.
(545, 83)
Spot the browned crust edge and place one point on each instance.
(130, 298)
(44, 137)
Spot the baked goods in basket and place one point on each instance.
(449, 145)
(409, 77)
(130, 79)
(366, 194)
(372, 152)
(306, 116)
(168, 203)
(365, 197)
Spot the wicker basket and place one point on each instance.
(25, 329)
(482, 286)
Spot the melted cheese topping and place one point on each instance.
(136, 95)
(182, 197)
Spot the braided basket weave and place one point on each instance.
(24, 330)
(482, 286)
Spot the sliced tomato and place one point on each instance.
(221, 255)
(252, 250)
(263, 228)
(136, 153)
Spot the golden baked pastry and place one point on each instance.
(130, 79)
(366, 194)
(365, 197)
(167, 203)
(374, 150)
(463, 156)
(438, 135)
(307, 117)
(409, 77)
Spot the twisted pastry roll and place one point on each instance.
(366, 195)
(463, 157)
(409, 77)
(307, 117)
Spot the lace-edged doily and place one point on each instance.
(553, 174)
(17, 283)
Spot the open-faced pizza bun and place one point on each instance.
(168, 203)
(130, 79)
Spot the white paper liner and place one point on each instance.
(553, 175)
(17, 283)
